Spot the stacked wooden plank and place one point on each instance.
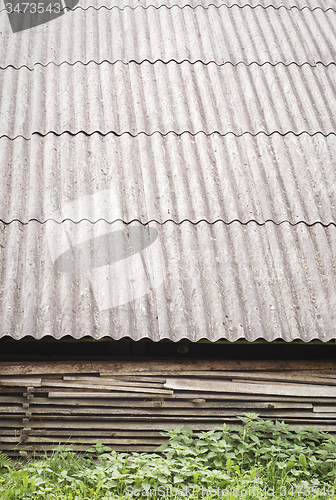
(126, 405)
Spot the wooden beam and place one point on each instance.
(159, 366)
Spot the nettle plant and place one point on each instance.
(259, 454)
(262, 446)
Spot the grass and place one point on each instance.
(259, 460)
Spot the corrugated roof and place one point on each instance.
(167, 171)
(160, 97)
(219, 34)
(125, 4)
(169, 177)
(190, 281)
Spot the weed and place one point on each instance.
(260, 459)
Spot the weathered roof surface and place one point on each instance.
(229, 281)
(168, 171)
(276, 4)
(276, 177)
(168, 98)
(208, 34)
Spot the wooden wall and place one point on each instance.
(126, 404)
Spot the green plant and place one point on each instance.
(257, 458)
(98, 448)
(5, 461)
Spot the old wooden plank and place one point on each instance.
(98, 433)
(20, 381)
(306, 422)
(131, 378)
(189, 396)
(179, 366)
(324, 409)
(258, 375)
(281, 377)
(14, 421)
(103, 387)
(14, 449)
(11, 399)
(234, 403)
(185, 396)
(87, 440)
(7, 390)
(118, 425)
(10, 439)
(227, 374)
(177, 373)
(124, 417)
(284, 381)
(215, 396)
(134, 395)
(159, 366)
(156, 411)
(328, 415)
(158, 426)
(168, 414)
(13, 430)
(82, 447)
(111, 382)
(250, 388)
(218, 374)
(11, 409)
(139, 418)
(274, 414)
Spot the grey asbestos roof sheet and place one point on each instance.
(167, 98)
(170, 177)
(219, 34)
(168, 171)
(276, 4)
(228, 281)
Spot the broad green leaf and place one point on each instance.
(186, 429)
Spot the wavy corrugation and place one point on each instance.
(194, 282)
(139, 4)
(169, 178)
(217, 35)
(168, 97)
